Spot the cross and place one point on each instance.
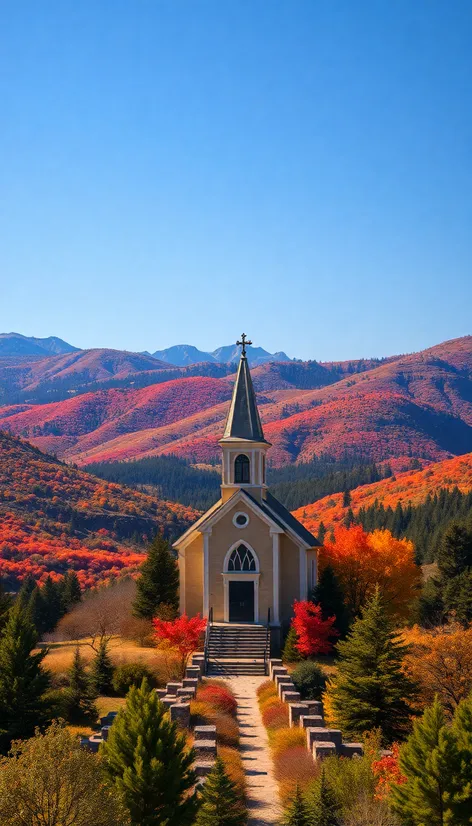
(243, 343)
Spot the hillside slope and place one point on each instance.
(417, 405)
(54, 517)
(410, 487)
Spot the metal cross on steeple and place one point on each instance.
(243, 343)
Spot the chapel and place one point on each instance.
(247, 559)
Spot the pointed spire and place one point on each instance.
(243, 420)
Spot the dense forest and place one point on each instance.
(297, 485)
(424, 524)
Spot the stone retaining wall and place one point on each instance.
(321, 741)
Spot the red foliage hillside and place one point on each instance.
(418, 405)
(410, 486)
(54, 517)
(79, 424)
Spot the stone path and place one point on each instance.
(262, 790)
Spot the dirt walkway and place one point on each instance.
(262, 791)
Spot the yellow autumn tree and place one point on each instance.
(440, 662)
(362, 560)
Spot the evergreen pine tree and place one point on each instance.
(349, 519)
(27, 587)
(346, 498)
(291, 653)
(462, 730)
(159, 581)
(36, 610)
(102, 671)
(23, 680)
(370, 689)
(220, 803)
(148, 759)
(51, 596)
(323, 805)
(430, 762)
(298, 813)
(70, 590)
(80, 694)
(321, 533)
(329, 594)
(5, 605)
(457, 597)
(455, 552)
(431, 610)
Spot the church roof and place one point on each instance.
(243, 420)
(285, 515)
(271, 507)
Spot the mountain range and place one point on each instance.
(108, 405)
(15, 344)
(180, 355)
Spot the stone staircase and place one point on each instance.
(237, 649)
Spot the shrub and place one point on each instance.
(287, 738)
(271, 701)
(58, 702)
(266, 687)
(227, 729)
(352, 780)
(309, 680)
(294, 767)
(234, 767)
(219, 697)
(215, 681)
(128, 674)
(276, 716)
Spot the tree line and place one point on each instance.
(424, 524)
(177, 480)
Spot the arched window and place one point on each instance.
(241, 469)
(241, 559)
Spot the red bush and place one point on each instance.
(275, 716)
(219, 697)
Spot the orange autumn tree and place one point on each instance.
(363, 560)
(440, 662)
(182, 635)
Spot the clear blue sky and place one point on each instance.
(178, 172)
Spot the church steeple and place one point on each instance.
(243, 420)
(243, 443)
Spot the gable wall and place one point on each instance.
(224, 535)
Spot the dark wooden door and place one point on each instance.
(241, 601)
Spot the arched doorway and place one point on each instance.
(241, 581)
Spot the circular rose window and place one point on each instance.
(240, 520)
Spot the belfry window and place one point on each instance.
(241, 560)
(242, 469)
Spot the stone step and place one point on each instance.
(236, 670)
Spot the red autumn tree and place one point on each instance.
(387, 773)
(182, 635)
(314, 634)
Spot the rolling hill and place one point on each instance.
(410, 487)
(418, 405)
(54, 517)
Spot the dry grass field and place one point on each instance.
(60, 654)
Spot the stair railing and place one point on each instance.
(207, 640)
(267, 645)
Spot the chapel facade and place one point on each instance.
(247, 559)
